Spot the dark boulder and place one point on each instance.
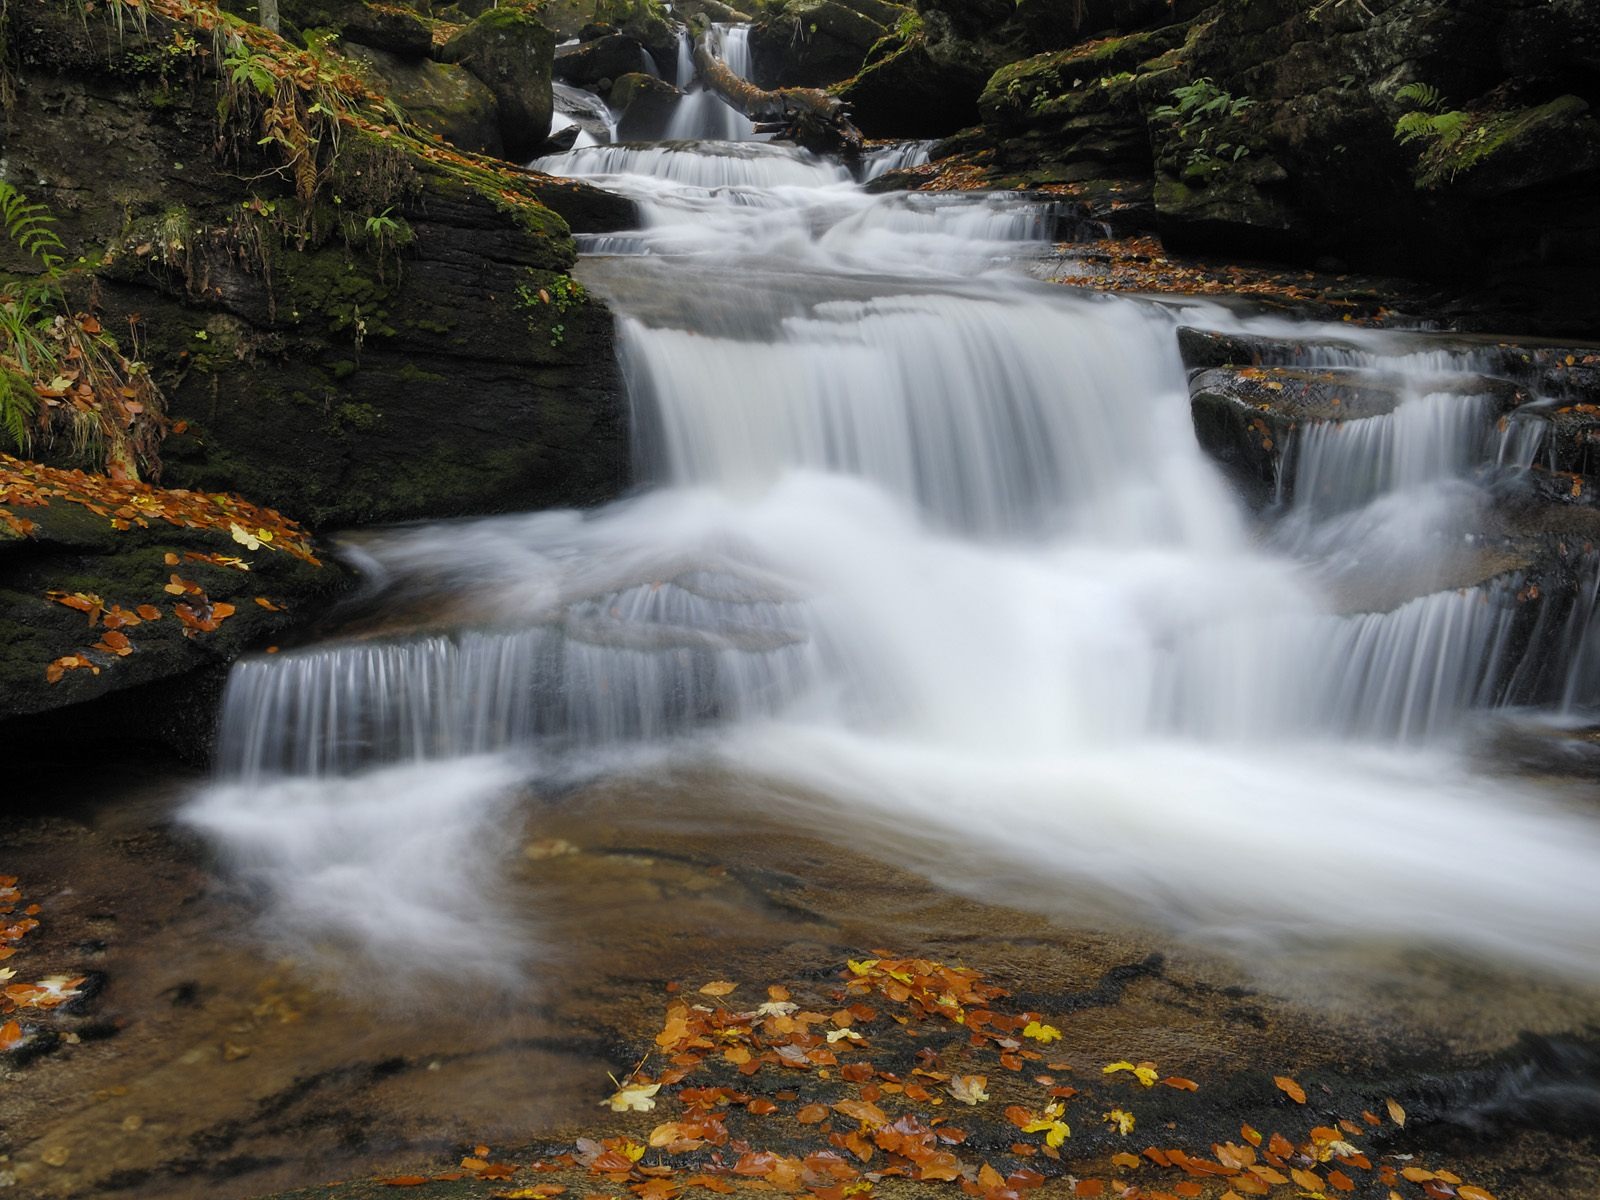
(646, 104)
(814, 43)
(389, 27)
(599, 61)
(443, 99)
(512, 54)
(905, 94)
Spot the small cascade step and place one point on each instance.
(1252, 393)
(1274, 428)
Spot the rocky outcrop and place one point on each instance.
(379, 330)
(1451, 142)
(646, 104)
(600, 60)
(813, 43)
(444, 99)
(408, 344)
(110, 588)
(510, 53)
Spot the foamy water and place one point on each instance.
(929, 552)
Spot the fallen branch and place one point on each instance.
(808, 116)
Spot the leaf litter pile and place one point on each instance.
(127, 505)
(20, 1002)
(911, 1073)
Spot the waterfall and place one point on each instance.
(574, 106)
(882, 159)
(923, 544)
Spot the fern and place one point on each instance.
(1445, 129)
(1420, 95)
(31, 227)
(19, 408)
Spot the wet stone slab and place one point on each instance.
(232, 1063)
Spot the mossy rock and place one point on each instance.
(1514, 150)
(442, 98)
(390, 27)
(513, 54)
(814, 43)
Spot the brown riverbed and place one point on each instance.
(216, 1060)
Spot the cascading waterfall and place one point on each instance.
(929, 546)
(898, 157)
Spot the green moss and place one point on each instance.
(412, 374)
(356, 418)
(338, 293)
(343, 368)
(1521, 133)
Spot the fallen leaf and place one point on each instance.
(969, 1088)
(1396, 1113)
(633, 1097)
(1145, 1072)
(1290, 1088)
(718, 988)
(1120, 1120)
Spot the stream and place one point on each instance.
(925, 553)
(928, 625)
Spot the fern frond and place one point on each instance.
(31, 227)
(18, 409)
(1421, 95)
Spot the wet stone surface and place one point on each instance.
(219, 1060)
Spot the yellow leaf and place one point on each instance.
(969, 1088)
(633, 1097)
(862, 966)
(1120, 1120)
(1396, 1113)
(1041, 1033)
(720, 987)
(244, 537)
(1144, 1072)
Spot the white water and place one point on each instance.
(929, 556)
(573, 106)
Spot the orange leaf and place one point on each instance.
(1290, 1088)
(404, 1181)
(1182, 1084)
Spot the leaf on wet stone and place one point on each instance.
(1290, 1088)
(1396, 1113)
(1120, 1120)
(1040, 1032)
(719, 987)
(1144, 1072)
(633, 1097)
(969, 1089)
